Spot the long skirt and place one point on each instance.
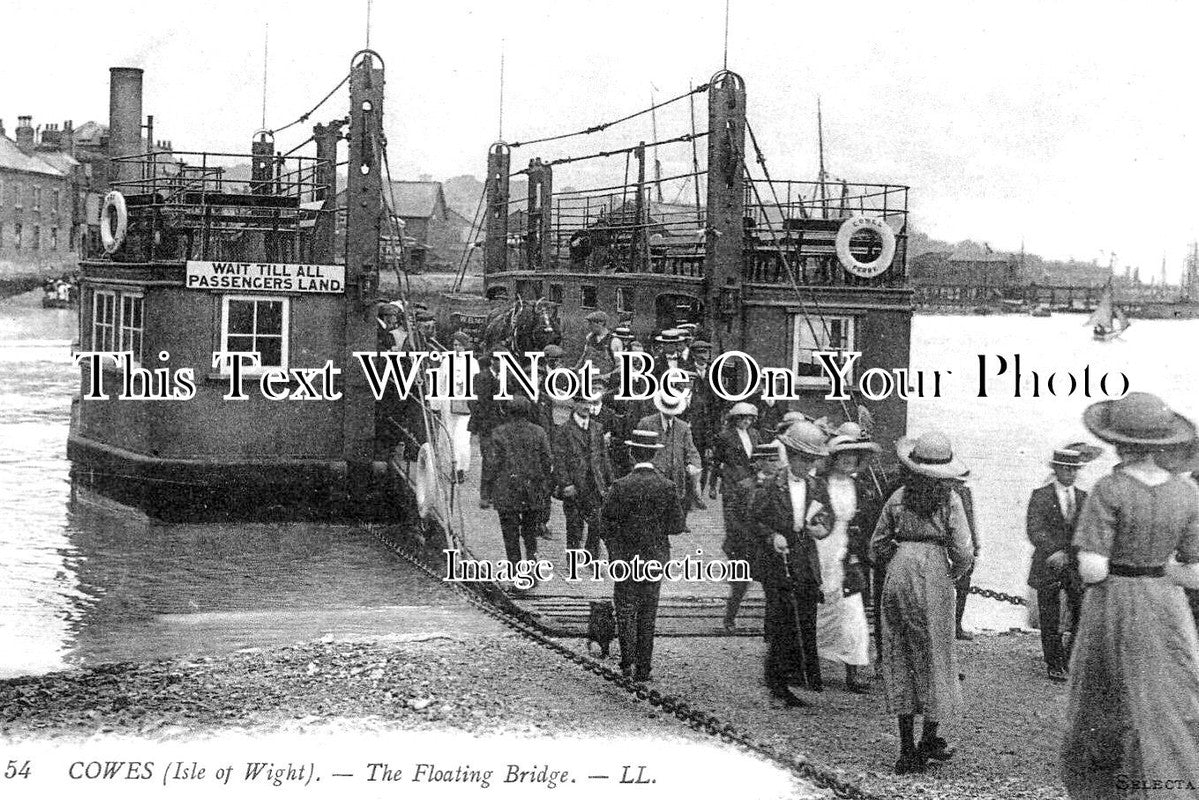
(1132, 718)
(918, 665)
(841, 631)
(460, 435)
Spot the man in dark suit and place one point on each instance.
(523, 478)
(486, 414)
(583, 473)
(678, 459)
(702, 414)
(790, 514)
(741, 540)
(639, 515)
(1052, 515)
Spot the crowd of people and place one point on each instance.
(828, 536)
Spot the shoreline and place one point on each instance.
(502, 685)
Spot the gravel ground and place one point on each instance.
(1008, 737)
(499, 683)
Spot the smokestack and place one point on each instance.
(124, 121)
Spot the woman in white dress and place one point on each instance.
(455, 414)
(842, 634)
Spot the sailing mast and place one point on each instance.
(823, 175)
(653, 116)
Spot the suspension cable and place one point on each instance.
(686, 137)
(604, 125)
(304, 117)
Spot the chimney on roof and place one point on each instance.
(25, 133)
(51, 137)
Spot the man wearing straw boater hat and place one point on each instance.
(790, 515)
(639, 515)
(678, 459)
(1050, 522)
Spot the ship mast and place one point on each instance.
(653, 116)
(823, 175)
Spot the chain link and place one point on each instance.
(670, 705)
(1003, 597)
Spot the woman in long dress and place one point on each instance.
(454, 436)
(923, 539)
(842, 634)
(1132, 719)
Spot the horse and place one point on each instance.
(522, 326)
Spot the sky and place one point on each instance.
(1068, 127)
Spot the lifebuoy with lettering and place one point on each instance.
(114, 221)
(865, 269)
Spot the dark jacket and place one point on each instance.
(678, 452)
(639, 514)
(1050, 532)
(772, 514)
(741, 535)
(523, 466)
(729, 458)
(485, 412)
(577, 452)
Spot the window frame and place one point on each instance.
(626, 299)
(557, 293)
(583, 289)
(112, 323)
(121, 327)
(284, 335)
(801, 332)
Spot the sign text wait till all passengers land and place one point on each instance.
(242, 276)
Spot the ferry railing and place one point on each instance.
(179, 210)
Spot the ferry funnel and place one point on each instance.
(124, 121)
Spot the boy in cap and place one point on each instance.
(600, 346)
(1052, 516)
(639, 515)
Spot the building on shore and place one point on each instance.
(434, 234)
(42, 194)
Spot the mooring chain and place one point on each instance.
(697, 719)
(1003, 597)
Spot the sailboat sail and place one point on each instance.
(1108, 321)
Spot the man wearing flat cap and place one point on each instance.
(639, 515)
(600, 346)
(583, 473)
(1051, 520)
(790, 515)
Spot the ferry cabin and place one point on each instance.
(776, 269)
(197, 261)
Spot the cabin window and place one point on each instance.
(129, 333)
(589, 297)
(556, 293)
(104, 313)
(813, 333)
(255, 325)
(624, 300)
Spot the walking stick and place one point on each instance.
(793, 602)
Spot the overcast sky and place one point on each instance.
(1068, 126)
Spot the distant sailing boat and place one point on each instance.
(1108, 320)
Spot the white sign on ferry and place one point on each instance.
(242, 276)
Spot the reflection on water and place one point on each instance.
(84, 580)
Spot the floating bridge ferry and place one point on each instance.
(777, 269)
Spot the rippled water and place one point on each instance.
(82, 579)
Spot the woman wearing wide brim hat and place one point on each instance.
(923, 542)
(1133, 706)
(732, 454)
(842, 633)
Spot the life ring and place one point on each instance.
(426, 481)
(865, 269)
(113, 237)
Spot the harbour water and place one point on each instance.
(83, 580)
